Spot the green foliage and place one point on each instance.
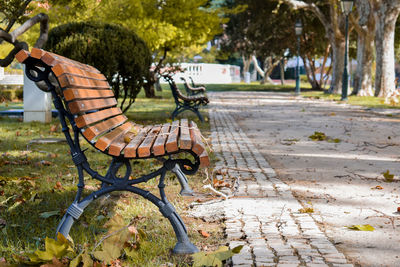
(117, 52)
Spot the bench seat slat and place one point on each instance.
(68, 80)
(159, 145)
(104, 142)
(61, 69)
(90, 118)
(120, 143)
(87, 105)
(184, 139)
(104, 126)
(77, 93)
(144, 150)
(198, 145)
(130, 150)
(172, 142)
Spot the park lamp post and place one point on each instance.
(298, 28)
(347, 6)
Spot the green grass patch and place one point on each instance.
(365, 101)
(38, 183)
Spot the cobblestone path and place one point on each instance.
(263, 215)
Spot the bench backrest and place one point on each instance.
(176, 93)
(84, 90)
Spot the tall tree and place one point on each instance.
(331, 17)
(386, 13)
(364, 24)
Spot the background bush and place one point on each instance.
(117, 52)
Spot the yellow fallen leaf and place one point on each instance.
(365, 227)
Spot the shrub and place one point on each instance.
(117, 52)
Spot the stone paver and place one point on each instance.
(263, 214)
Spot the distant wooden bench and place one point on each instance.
(193, 90)
(82, 95)
(184, 102)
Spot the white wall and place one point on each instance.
(206, 73)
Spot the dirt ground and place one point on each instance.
(340, 178)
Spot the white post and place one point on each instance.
(37, 104)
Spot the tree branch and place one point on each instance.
(19, 14)
(11, 38)
(296, 5)
(41, 18)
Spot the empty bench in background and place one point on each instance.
(82, 95)
(191, 90)
(184, 102)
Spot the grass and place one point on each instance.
(37, 178)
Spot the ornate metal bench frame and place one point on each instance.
(45, 79)
(182, 104)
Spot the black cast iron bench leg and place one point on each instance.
(183, 245)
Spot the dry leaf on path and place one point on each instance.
(365, 227)
(204, 233)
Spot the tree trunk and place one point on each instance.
(338, 47)
(269, 65)
(282, 69)
(385, 13)
(365, 27)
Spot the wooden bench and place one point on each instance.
(195, 85)
(192, 90)
(184, 102)
(82, 95)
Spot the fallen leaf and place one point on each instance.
(318, 136)
(398, 209)
(306, 210)
(378, 187)
(48, 214)
(365, 227)
(388, 176)
(214, 258)
(204, 233)
(53, 248)
(59, 186)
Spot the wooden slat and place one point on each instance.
(22, 55)
(184, 138)
(159, 145)
(94, 117)
(37, 53)
(104, 142)
(198, 146)
(144, 150)
(52, 59)
(61, 69)
(204, 159)
(103, 126)
(72, 94)
(130, 150)
(86, 105)
(67, 80)
(120, 143)
(172, 142)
